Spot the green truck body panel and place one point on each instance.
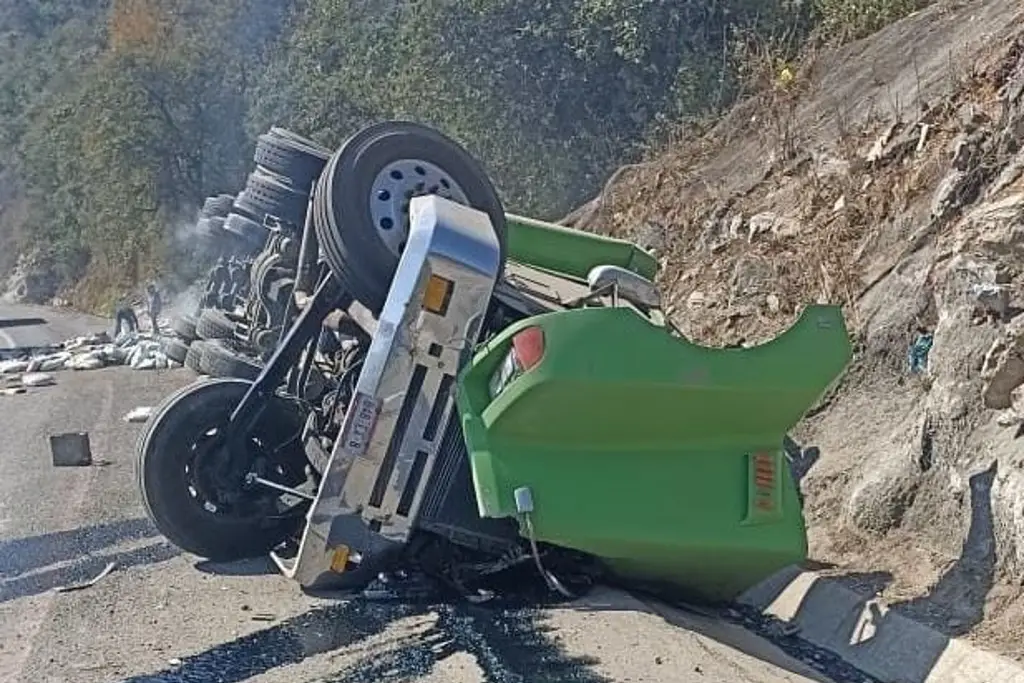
(572, 252)
(662, 457)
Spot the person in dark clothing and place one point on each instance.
(153, 306)
(125, 321)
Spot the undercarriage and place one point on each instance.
(408, 330)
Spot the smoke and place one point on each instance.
(190, 257)
(186, 301)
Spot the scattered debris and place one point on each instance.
(139, 351)
(87, 584)
(37, 379)
(917, 354)
(993, 300)
(878, 148)
(11, 367)
(140, 414)
(71, 449)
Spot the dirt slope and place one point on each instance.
(886, 178)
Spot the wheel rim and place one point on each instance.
(392, 189)
(201, 480)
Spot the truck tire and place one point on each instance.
(169, 464)
(174, 348)
(249, 231)
(266, 194)
(290, 155)
(213, 324)
(222, 358)
(360, 207)
(218, 205)
(193, 359)
(184, 326)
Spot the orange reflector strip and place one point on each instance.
(438, 294)
(339, 559)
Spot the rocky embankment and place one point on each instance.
(889, 178)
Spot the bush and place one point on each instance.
(845, 20)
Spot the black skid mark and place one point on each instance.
(292, 641)
(510, 645)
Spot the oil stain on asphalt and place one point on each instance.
(510, 644)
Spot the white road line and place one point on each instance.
(8, 339)
(30, 622)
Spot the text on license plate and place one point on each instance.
(360, 424)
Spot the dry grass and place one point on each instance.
(855, 218)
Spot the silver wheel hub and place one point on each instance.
(395, 186)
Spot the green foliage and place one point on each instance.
(126, 113)
(851, 19)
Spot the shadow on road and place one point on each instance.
(27, 554)
(258, 566)
(729, 625)
(904, 640)
(83, 570)
(21, 322)
(507, 642)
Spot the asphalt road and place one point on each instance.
(162, 616)
(56, 326)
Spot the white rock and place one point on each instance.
(696, 300)
(1009, 418)
(140, 414)
(994, 298)
(780, 226)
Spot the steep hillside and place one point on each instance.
(117, 117)
(885, 176)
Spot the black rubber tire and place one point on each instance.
(253, 234)
(174, 348)
(287, 154)
(184, 326)
(266, 194)
(218, 206)
(223, 358)
(356, 254)
(213, 324)
(162, 453)
(193, 359)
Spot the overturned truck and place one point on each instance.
(493, 392)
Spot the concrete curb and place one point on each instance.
(867, 634)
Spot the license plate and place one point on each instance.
(359, 424)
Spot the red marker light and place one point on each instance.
(528, 346)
